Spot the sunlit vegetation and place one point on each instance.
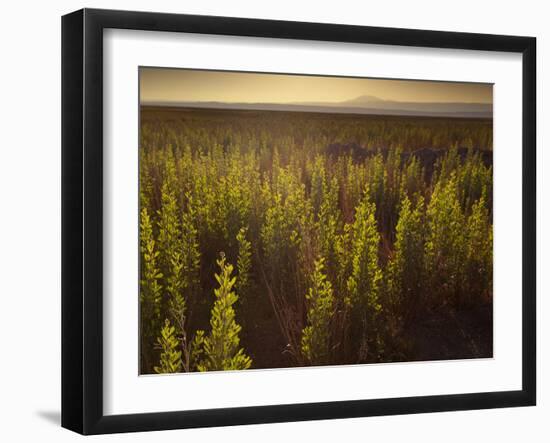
(274, 239)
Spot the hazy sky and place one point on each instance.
(182, 85)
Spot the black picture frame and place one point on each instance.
(82, 218)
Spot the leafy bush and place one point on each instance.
(221, 346)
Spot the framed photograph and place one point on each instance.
(270, 221)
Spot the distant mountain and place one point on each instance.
(436, 108)
(364, 100)
(364, 104)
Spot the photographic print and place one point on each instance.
(298, 220)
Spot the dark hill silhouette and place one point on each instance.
(364, 104)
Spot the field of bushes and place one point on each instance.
(284, 239)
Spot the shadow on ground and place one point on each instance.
(53, 417)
